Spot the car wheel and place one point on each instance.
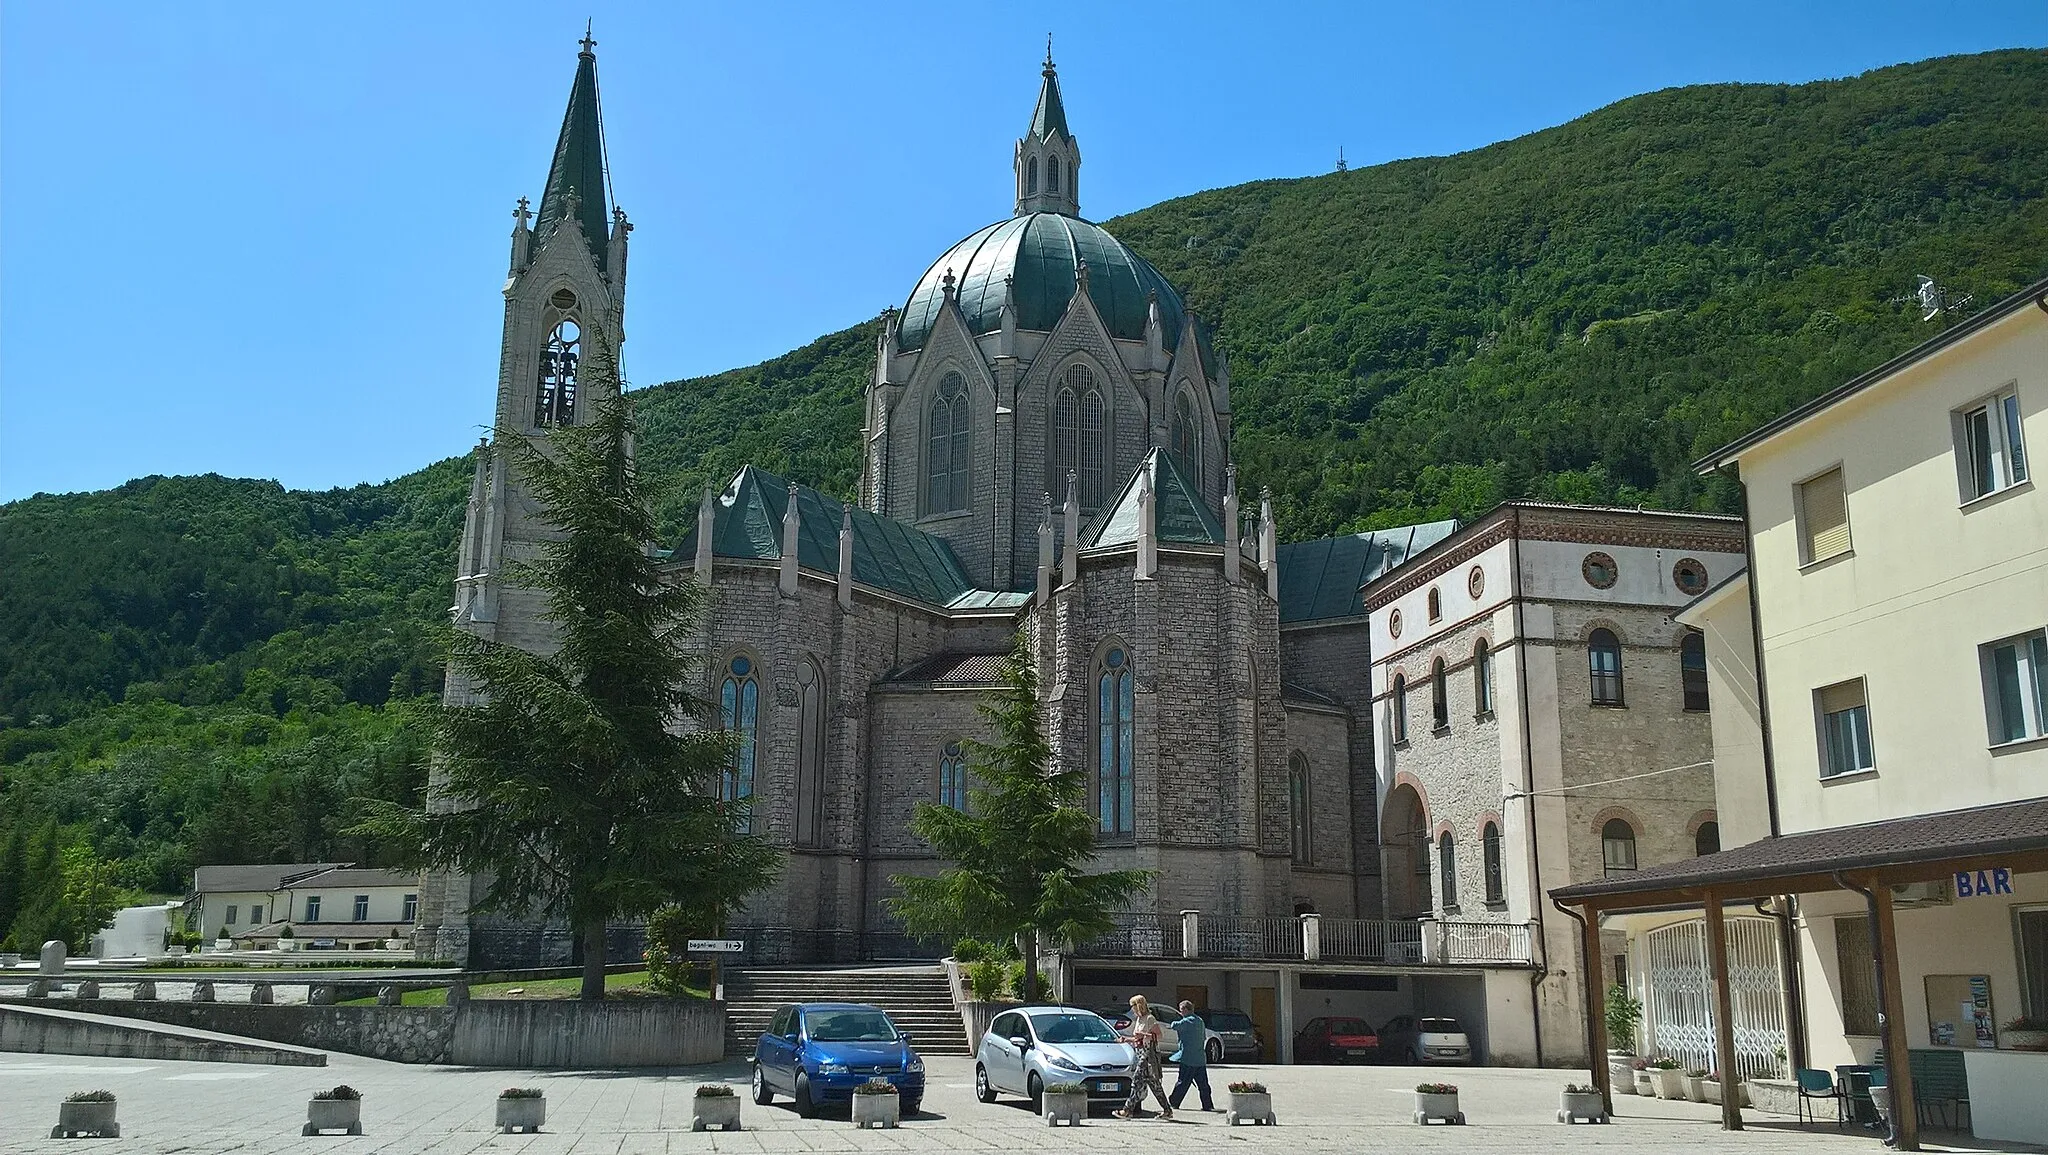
(983, 1089)
(909, 1107)
(763, 1094)
(804, 1106)
(1215, 1049)
(1037, 1092)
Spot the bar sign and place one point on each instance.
(1978, 883)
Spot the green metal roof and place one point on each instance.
(1178, 512)
(579, 165)
(887, 554)
(1051, 115)
(1321, 578)
(1038, 252)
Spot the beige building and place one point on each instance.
(327, 905)
(1541, 720)
(1884, 768)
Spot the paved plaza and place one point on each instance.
(227, 1107)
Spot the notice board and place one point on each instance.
(1959, 1011)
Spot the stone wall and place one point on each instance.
(1335, 659)
(400, 1034)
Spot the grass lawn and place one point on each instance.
(630, 985)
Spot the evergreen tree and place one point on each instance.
(569, 789)
(1020, 847)
(13, 874)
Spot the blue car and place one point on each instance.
(819, 1052)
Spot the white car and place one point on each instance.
(1425, 1040)
(1031, 1048)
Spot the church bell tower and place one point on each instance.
(1048, 160)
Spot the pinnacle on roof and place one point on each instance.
(576, 179)
(1050, 116)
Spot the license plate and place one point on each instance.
(1106, 1085)
(1358, 1054)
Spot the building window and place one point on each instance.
(1113, 741)
(555, 404)
(952, 777)
(361, 913)
(1439, 697)
(2016, 687)
(1187, 437)
(312, 908)
(1603, 658)
(1031, 176)
(1489, 847)
(1857, 963)
(1823, 517)
(1844, 728)
(1436, 605)
(231, 916)
(1599, 571)
(1617, 846)
(949, 453)
(1080, 436)
(1397, 708)
(255, 915)
(1690, 575)
(1692, 669)
(1482, 679)
(1475, 582)
(1447, 865)
(1707, 840)
(810, 755)
(1052, 174)
(2030, 926)
(1989, 453)
(1394, 623)
(1298, 805)
(410, 910)
(739, 707)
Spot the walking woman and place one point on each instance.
(1144, 1037)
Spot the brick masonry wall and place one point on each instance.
(1336, 660)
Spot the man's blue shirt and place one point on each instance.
(1192, 1034)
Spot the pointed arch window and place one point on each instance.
(1187, 436)
(1080, 436)
(1489, 848)
(1031, 176)
(1298, 806)
(1052, 174)
(952, 776)
(555, 403)
(1114, 737)
(1692, 669)
(1603, 660)
(1397, 708)
(949, 452)
(810, 758)
(1447, 867)
(1439, 696)
(739, 706)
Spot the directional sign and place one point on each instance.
(717, 945)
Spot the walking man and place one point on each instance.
(1144, 1038)
(1193, 1056)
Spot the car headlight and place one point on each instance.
(832, 1068)
(913, 1064)
(1062, 1063)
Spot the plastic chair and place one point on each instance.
(1817, 1084)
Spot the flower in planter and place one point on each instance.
(714, 1091)
(1665, 1065)
(343, 1092)
(876, 1087)
(1066, 1089)
(1575, 1089)
(1436, 1088)
(1247, 1088)
(520, 1093)
(89, 1097)
(1640, 1065)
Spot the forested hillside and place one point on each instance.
(200, 667)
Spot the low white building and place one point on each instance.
(325, 905)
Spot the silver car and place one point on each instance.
(1031, 1048)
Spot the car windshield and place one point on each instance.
(1072, 1028)
(1228, 1020)
(1440, 1027)
(849, 1026)
(1350, 1027)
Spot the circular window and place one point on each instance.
(563, 299)
(1475, 582)
(1394, 624)
(742, 666)
(1690, 575)
(1599, 570)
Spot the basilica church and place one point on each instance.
(1046, 449)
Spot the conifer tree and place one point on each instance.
(568, 783)
(1020, 848)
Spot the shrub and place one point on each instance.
(343, 1092)
(987, 978)
(714, 1091)
(89, 1097)
(876, 1087)
(1695, 1073)
(1066, 1089)
(968, 950)
(1576, 1089)
(1665, 1064)
(1035, 994)
(287, 932)
(1624, 1015)
(520, 1093)
(1436, 1088)
(1247, 1088)
(669, 966)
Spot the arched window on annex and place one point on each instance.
(1187, 434)
(1436, 604)
(949, 447)
(1489, 850)
(1397, 709)
(739, 710)
(1603, 662)
(1115, 790)
(1298, 808)
(1617, 847)
(554, 401)
(1447, 869)
(1692, 669)
(952, 776)
(1439, 698)
(1080, 436)
(810, 754)
(1482, 679)
(1706, 835)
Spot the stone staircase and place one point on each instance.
(916, 997)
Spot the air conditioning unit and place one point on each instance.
(1934, 893)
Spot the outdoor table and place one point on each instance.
(1854, 1081)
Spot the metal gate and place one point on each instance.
(1678, 1010)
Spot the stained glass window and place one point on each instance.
(950, 450)
(739, 704)
(1114, 739)
(952, 777)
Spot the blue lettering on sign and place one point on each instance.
(1976, 884)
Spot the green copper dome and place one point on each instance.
(1039, 251)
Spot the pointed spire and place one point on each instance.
(707, 523)
(576, 185)
(1070, 516)
(1269, 544)
(1050, 116)
(1148, 531)
(1045, 553)
(1233, 563)
(791, 521)
(1048, 158)
(846, 557)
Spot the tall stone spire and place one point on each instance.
(577, 188)
(1048, 163)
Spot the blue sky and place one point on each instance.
(266, 240)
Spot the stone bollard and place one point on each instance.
(458, 994)
(202, 991)
(320, 995)
(89, 989)
(145, 991)
(259, 994)
(389, 996)
(52, 965)
(39, 988)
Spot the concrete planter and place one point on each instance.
(1069, 1107)
(287, 944)
(1695, 1089)
(1621, 1072)
(877, 1110)
(1437, 1107)
(1778, 1096)
(521, 1114)
(333, 1115)
(10, 960)
(1254, 1107)
(2023, 1040)
(86, 1121)
(1667, 1084)
(720, 1111)
(1573, 1106)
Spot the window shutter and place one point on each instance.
(1843, 696)
(1826, 510)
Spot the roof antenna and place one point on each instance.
(1341, 166)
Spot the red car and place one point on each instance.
(1336, 1040)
